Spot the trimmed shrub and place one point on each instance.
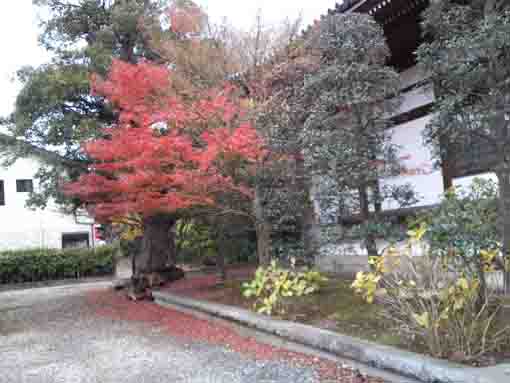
(51, 264)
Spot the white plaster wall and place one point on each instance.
(415, 156)
(415, 98)
(349, 257)
(411, 76)
(418, 162)
(21, 227)
(465, 182)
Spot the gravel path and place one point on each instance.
(54, 335)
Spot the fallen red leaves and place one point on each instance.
(116, 306)
(203, 286)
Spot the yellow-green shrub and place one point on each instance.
(273, 283)
(425, 300)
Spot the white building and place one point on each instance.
(22, 228)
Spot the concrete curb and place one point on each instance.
(54, 283)
(405, 363)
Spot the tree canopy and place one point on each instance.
(55, 110)
(152, 161)
(166, 154)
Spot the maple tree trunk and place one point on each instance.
(155, 264)
(157, 247)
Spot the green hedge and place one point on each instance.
(48, 264)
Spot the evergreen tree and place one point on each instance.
(346, 136)
(282, 192)
(468, 59)
(55, 111)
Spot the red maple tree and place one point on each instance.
(165, 154)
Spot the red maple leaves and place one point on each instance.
(165, 153)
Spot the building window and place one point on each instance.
(24, 186)
(2, 193)
(75, 240)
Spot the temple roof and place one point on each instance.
(344, 6)
(400, 20)
(384, 10)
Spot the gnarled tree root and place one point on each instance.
(140, 286)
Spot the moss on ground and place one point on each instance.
(337, 308)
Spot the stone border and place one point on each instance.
(405, 363)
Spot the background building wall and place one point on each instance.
(22, 228)
(419, 170)
(418, 164)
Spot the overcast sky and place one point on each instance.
(18, 31)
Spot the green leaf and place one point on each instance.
(422, 319)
